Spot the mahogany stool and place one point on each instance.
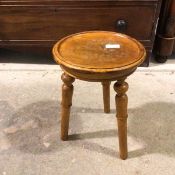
(99, 56)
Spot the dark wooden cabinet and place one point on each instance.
(38, 24)
(165, 37)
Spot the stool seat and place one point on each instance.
(103, 57)
(99, 52)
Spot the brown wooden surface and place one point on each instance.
(71, 62)
(40, 23)
(173, 14)
(37, 23)
(121, 106)
(85, 56)
(67, 92)
(106, 96)
(87, 52)
(165, 37)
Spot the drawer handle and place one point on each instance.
(121, 26)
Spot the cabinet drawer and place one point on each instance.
(54, 22)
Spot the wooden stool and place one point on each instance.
(98, 56)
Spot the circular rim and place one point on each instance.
(59, 60)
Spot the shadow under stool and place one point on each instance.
(99, 56)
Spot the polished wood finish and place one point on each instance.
(89, 51)
(99, 56)
(81, 54)
(67, 92)
(40, 23)
(106, 96)
(121, 106)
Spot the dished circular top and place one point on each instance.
(99, 51)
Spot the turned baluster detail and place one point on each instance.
(121, 106)
(67, 93)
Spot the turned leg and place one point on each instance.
(67, 92)
(121, 106)
(106, 96)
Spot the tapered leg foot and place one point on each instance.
(106, 96)
(121, 106)
(67, 93)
